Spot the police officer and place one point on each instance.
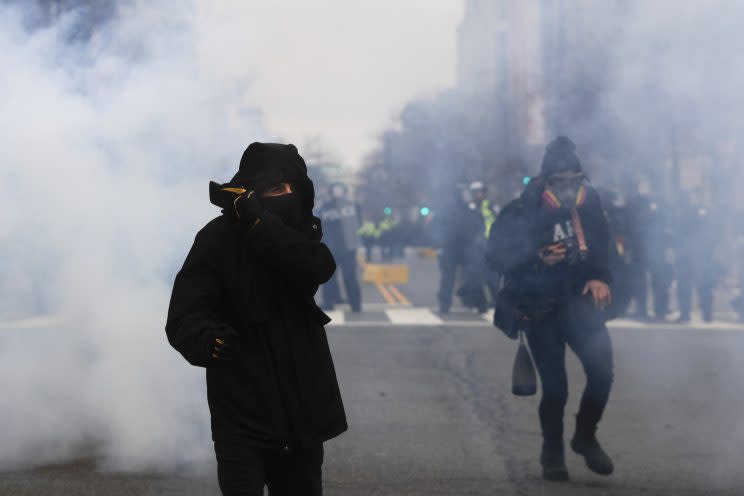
(341, 221)
(388, 236)
(651, 242)
(480, 203)
(621, 253)
(476, 276)
(370, 236)
(456, 229)
(694, 245)
(551, 244)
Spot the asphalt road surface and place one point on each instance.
(431, 412)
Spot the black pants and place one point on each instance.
(638, 288)
(699, 275)
(244, 471)
(661, 282)
(476, 278)
(581, 328)
(346, 262)
(448, 265)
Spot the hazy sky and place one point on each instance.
(334, 69)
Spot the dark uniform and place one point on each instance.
(456, 230)
(476, 274)
(650, 240)
(243, 307)
(694, 244)
(341, 222)
(621, 251)
(550, 298)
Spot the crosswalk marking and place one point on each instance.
(413, 316)
(395, 316)
(694, 325)
(488, 316)
(338, 317)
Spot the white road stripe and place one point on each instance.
(338, 317)
(413, 316)
(698, 326)
(424, 316)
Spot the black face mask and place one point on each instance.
(287, 207)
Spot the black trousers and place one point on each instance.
(581, 328)
(661, 282)
(638, 288)
(699, 275)
(448, 265)
(244, 471)
(346, 263)
(476, 278)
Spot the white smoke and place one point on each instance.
(107, 147)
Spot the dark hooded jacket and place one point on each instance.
(260, 281)
(526, 225)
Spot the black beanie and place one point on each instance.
(560, 156)
(266, 164)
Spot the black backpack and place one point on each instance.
(509, 248)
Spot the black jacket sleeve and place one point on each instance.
(597, 264)
(192, 323)
(299, 259)
(509, 240)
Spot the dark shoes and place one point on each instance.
(553, 459)
(595, 457)
(554, 464)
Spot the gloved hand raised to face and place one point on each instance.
(248, 208)
(225, 344)
(279, 199)
(243, 202)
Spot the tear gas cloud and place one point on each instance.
(114, 117)
(667, 89)
(107, 149)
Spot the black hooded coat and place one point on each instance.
(281, 389)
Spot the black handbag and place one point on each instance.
(524, 378)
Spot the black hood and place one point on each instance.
(560, 156)
(266, 164)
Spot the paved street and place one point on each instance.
(431, 412)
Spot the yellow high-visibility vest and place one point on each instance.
(488, 216)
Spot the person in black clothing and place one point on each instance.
(456, 231)
(551, 244)
(476, 276)
(243, 307)
(621, 253)
(638, 214)
(341, 220)
(694, 246)
(650, 240)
